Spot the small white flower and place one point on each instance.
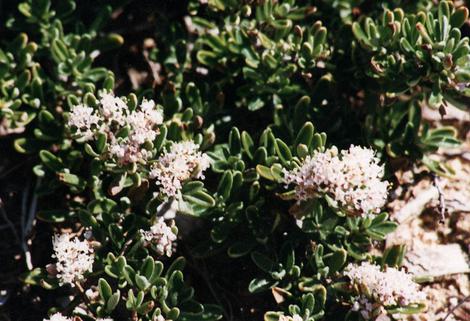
(57, 317)
(92, 294)
(182, 162)
(161, 236)
(353, 178)
(152, 113)
(74, 258)
(391, 287)
(84, 120)
(113, 109)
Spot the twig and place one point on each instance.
(13, 168)
(82, 292)
(32, 208)
(27, 219)
(442, 201)
(8, 221)
(126, 245)
(456, 307)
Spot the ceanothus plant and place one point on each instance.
(265, 145)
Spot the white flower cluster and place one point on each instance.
(353, 178)
(379, 289)
(161, 236)
(182, 162)
(74, 258)
(59, 317)
(113, 115)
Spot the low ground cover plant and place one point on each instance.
(220, 159)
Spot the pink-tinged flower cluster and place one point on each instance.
(162, 237)
(353, 178)
(111, 117)
(379, 289)
(178, 164)
(74, 258)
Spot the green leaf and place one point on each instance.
(104, 289)
(147, 267)
(59, 50)
(101, 142)
(53, 216)
(26, 145)
(25, 9)
(211, 312)
(234, 141)
(302, 151)
(265, 172)
(248, 145)
(272, 316)
(305, 134)
(50, 161)
(240, 248)
(336, 261)
(225, 185)
(379, 231)
(283, 152)
(259, 285)
(262, 261)
(34, 277)
(361, 36)
(72, 180)
(301, 108)
(87, 219)
(161, 138)
(142, 282)
(410, 309)
(113, 301)
(393, 256)
(173, 314)
(192, 187)
(177, 265)
(459, 17)
(200, 198)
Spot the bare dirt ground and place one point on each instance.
(438, 252)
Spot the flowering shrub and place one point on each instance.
(245, 174)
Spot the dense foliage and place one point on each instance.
(238, 155)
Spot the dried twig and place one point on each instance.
(8, 221)
(467, 298)
(126, 246)
(27, 219)
(442, 202)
